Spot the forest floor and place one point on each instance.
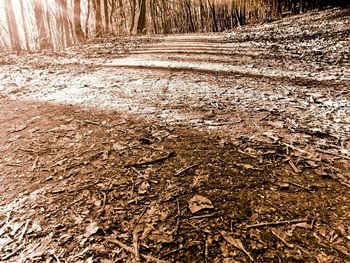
(230, 147)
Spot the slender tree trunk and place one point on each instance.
(50, 37)
(188, 5)
(111, 15)
(60, 26)
(12, 26)
(301, 7)
(77, 22)
(25, 26)
(122, 15)
(141, 24)
(67, 40)
(3, 42)
(39, 19)
(133, 14)
(88, 11)
(105, 9)
(98, 17)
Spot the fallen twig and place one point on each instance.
(136, 200)
(91, 122)
(59, 163)
(327, 244)
(334, 154)
(13, 164)
(24, 230)
(342, 179)
(276, 139)
(12, 253)
(122, 245)
(95, 155)
(136, 171)
(141, 215)
(186, 169)
(282, 239)
(298, 185)
(248, 154)
(172, 252)
(136, 248)
(294, 221)
(204, 216)
(294, 167)
(206, 253)
(57, 259)
(161, 159)
(104, 202)
(35, 163)
(278, 208)
(294, 148)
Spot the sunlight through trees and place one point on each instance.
(57, 24)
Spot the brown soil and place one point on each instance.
(249, 167)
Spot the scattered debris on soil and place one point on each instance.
(214, 148)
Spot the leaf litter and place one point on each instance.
(184, 164)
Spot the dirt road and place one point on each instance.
(104, 147)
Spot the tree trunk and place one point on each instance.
(50, 37)
(98, 17)
(122, 15)
(133, 14)
(77, 22)
(12, 26)
(105, 7)
(111, 15)
(141, 24)
(65, 21)
(87, 18)
(188, 5)
(25, 28)
(39, 19)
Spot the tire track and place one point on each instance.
(193, 88)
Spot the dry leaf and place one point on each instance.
(161, 237)
(91, 229)
(237, 243)
(198, 203)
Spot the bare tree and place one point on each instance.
(98, 17)
(141, 24)
(67, 38)
(105, 8)
(77, 22)
(12, 26)
(50, 37)
(40, 25)
(133, 15)
(25, 27)
(88, 11)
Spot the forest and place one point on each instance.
(57, 24)
(186, 131)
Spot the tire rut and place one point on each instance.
(187, 88)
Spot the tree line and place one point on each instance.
(57, 24)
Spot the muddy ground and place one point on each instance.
(230, 147)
